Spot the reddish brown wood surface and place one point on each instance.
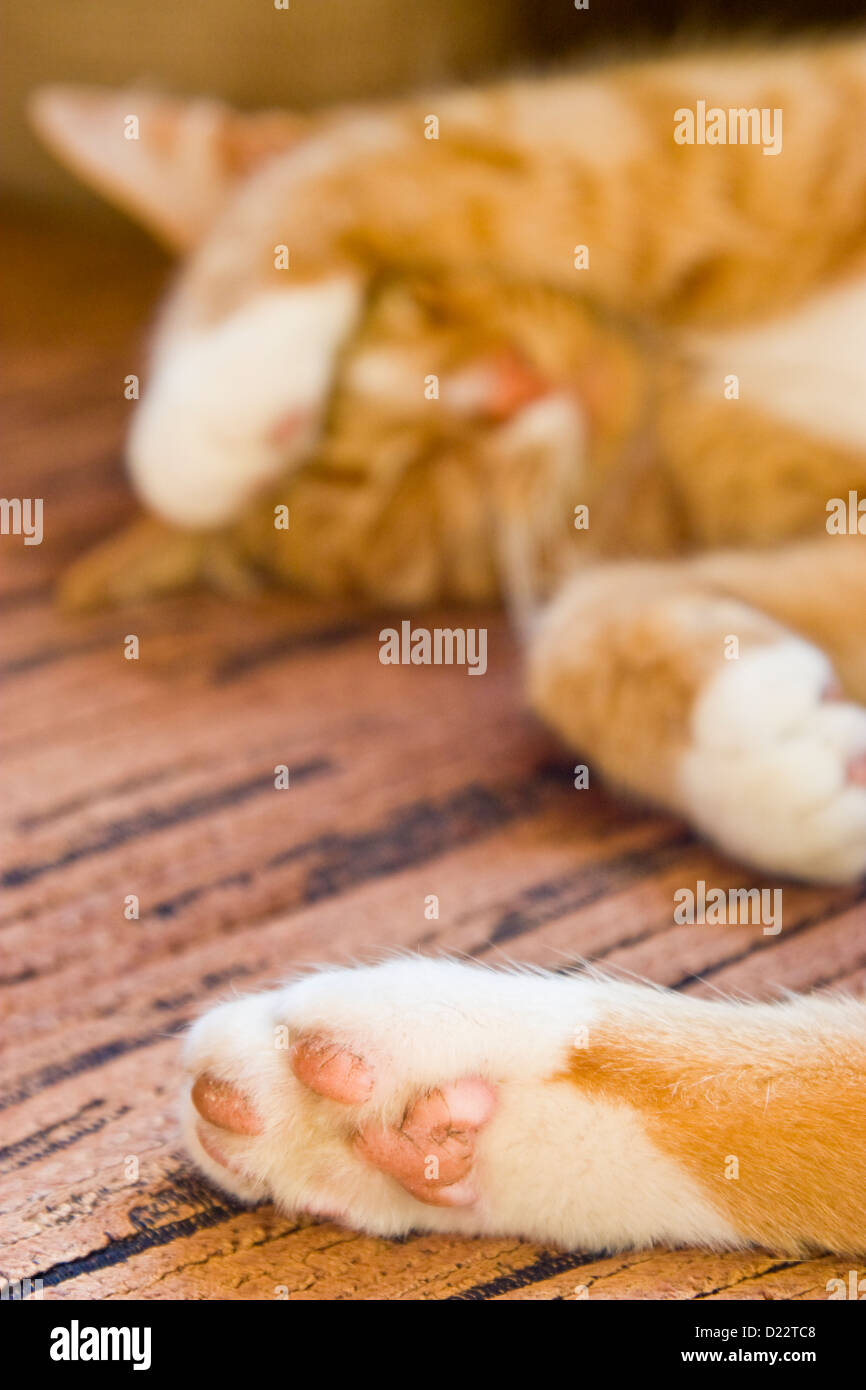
(155, 778)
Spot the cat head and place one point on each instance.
(442, 414)
(241, 360)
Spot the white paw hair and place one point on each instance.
(231, 406)
(766, 775)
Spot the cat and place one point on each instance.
(558, 388)
(551, 355)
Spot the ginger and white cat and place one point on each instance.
(336, 266)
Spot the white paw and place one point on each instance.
(776, 769)
(299, 1093)
(430, 1095)
(232, 406)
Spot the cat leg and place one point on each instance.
(519, 177)
(432, 1095)
(699, 701)
(815, 586)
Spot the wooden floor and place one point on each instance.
(155, 778)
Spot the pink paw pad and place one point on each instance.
(292, 426)
(223, 1105)
(331, 1070)
(432, 1153)
(857, 770)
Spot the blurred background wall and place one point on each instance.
(320, 51)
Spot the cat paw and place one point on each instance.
(345, 1095)
(776, 769)
(233, 406)
(372, 1096)
(432, 1095)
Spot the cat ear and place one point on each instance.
(168, 162)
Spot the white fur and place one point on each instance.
(387, 374)
(555, 423)
(552, 1164)
(807, 367)
(200, 444)
(765, 773)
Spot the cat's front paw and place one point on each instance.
(776, 769)
(232, 406)
(355, 1094)
(431, 1095)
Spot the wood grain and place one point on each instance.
(155, 778)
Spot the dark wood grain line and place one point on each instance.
(816, 918)
(544, 1268)
(418, 832)
(64, 1134)
(31, 1083)
(552, 899)
(240, 663)
(126, 787)
(749, 1278)
(119, 1251)
(153, 819)
(50, 656)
